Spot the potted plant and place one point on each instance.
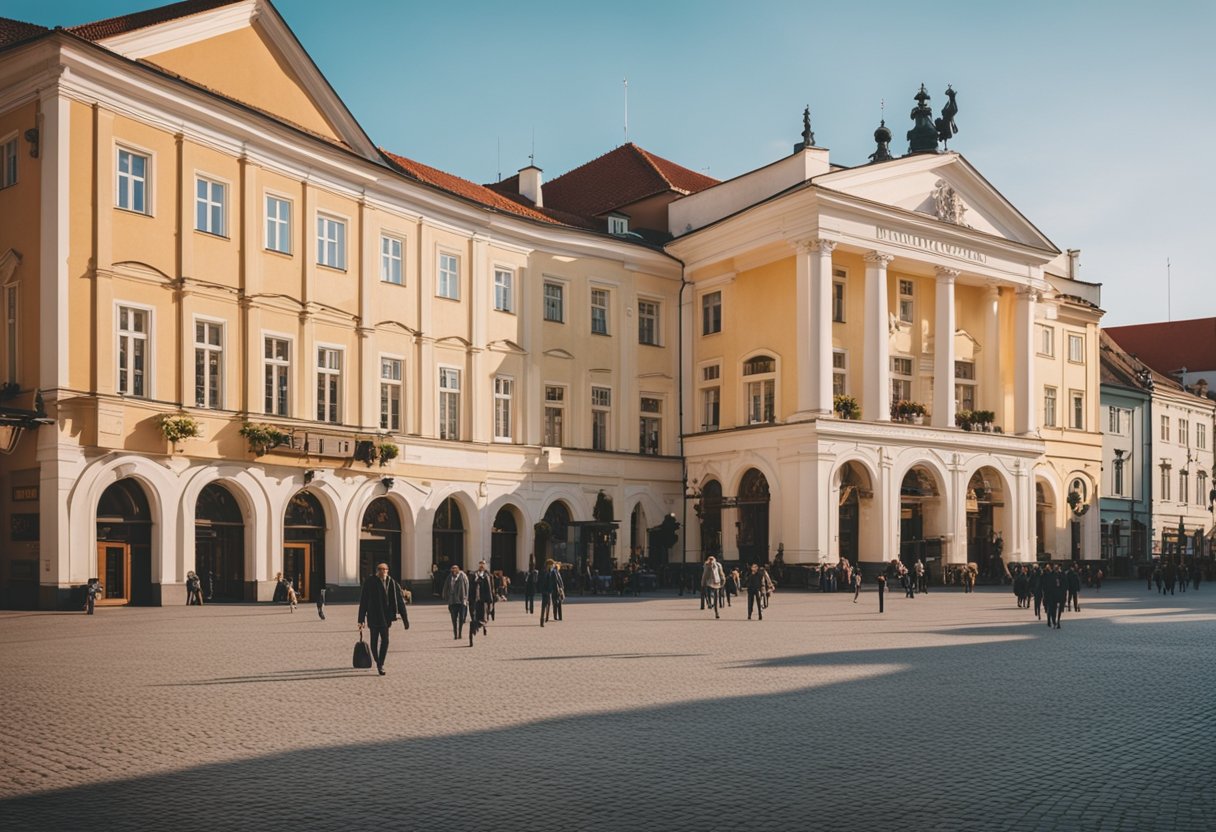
(365, 451)
(964, 419)
(179, 426)
(387, 452)
(846, 406)
(263, 437)
(984, 418)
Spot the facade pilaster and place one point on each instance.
(102, 372)
(943, 350)
(813, 297)
(1025, 398)
(876, 392)
(992, 387)
(480, 385)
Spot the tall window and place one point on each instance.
(761, 375)
(599, 311)
(838, 284)
(449, 403)
(1184, 433)
(1113, 423)
(1201, 433)
(555, 307)
(901, 378)
(711, 397)
(209, 200)
(1047, 341)
(1201, 487)
(1165, 428)
(448, 281)
(278, 224)
(8, 163)
(1184, 490)
(711, 313)
(277, 359)
(1078, 410)
(964, 385)
(504, 391)
(1049, 407)
(504, 290)
(133, 181)
(329, 385)
(10, 334)
(555, 415)
(390, 260)
(601, 410)
(1076, 348)
(840, 372)
(648, 322)
(651, 428)
(390, 394)
(907, 307)
(132, 351)
(1118, 478)
(1165, 482)
(208, 363)
(331, 242)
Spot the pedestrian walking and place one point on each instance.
(882, 589)
(1021, 587)
(481, 600)
(455, 591)
(91, 590)
(758, 584)
(1072, 582)
(552, 592)
(380, 604)
(1054, 594)
(1036, 592)
(321, 603)
(280, 589)
(530, 582)
(922, 577)
(192, 589)
(855, 581)
(711, 582)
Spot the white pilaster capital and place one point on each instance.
(1029, 294)
(879, 259)
(946, 275)
(824, 247)
(994, 289)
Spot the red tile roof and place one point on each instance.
(15, 31)
(101, 29)
(1169, 346)
(619, 178)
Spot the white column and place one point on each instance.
(876, 391)
(1025, 396)
(685, 355)
(803, 321)
(813, 297)
(479, 384)
(992, 389)
(943, 350)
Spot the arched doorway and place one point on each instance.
(985, 503)
(558, 518)
(854, 487)
(920, 522)
(380, 538)
(1044, 521)
(504, 540)
(304, 544)
(124, 545)
(219, 544)
(753, 517)
(447, 535)
(710, 512)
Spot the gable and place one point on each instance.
(942, 186)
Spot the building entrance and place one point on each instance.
(124, 545)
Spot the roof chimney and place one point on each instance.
(529, 184)
(1074, 264)
(1201, 388)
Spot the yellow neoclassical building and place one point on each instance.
(242, 340)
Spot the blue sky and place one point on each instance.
(1095, 119)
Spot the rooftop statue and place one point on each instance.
(946, 128)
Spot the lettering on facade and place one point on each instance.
(929, 244)
(24, 493)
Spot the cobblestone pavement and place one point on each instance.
(950, 711)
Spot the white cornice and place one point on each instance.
(183, 31)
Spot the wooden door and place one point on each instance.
(297, 568)
(114, 572)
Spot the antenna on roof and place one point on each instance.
(499, 159)
(532, 155)
(1169, 296)
(625, 81)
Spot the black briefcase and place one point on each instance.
(363, 654)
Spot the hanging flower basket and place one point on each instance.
(179, 426)
(263, 437)
(387, 452)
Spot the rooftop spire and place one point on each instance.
(808, 136)
(922, 138)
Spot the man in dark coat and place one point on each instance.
(758, 582)
(455, 591)
(379, 605)
(530, 582)
(1073, 584)
(552, 592)
(1036, 591)
(481, 599)
(1053, 595)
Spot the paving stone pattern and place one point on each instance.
(950, 712)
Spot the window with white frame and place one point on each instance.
(1201, 488)
(555, 302)
(599, 311)
(449, 403)
(1049, 407)
(132, 185)
(277, 372)
(617, 224)
(391, 259)
(907, 307)
(10, 334)
(447, 283)
(133, 351)
(504, 392)
(1114, 421)
(1047, 340)
(840, 373)
(555, 415)
(650, 429)
(331, 242)
(1117, 479)
(1076, 348)
(208, 363)
(1078, 410)
(1184, 433)
(8, 162)
(210, 198)
(601, 411)
(760, 389)
(504, 290)
(648, 322)
(1184, 486)
(1165, 428)
(901, 378)
(390, 393)
(711, 313)
(964, 385)
(711, 397)
(329, 385)
(278, 224)
(1201, 436)
(838, 285)
(1165, 482)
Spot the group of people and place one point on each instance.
(1170, 575)
(718, 585)
(1051, 589)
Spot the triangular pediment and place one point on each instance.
(245, 51)
(944, 187)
